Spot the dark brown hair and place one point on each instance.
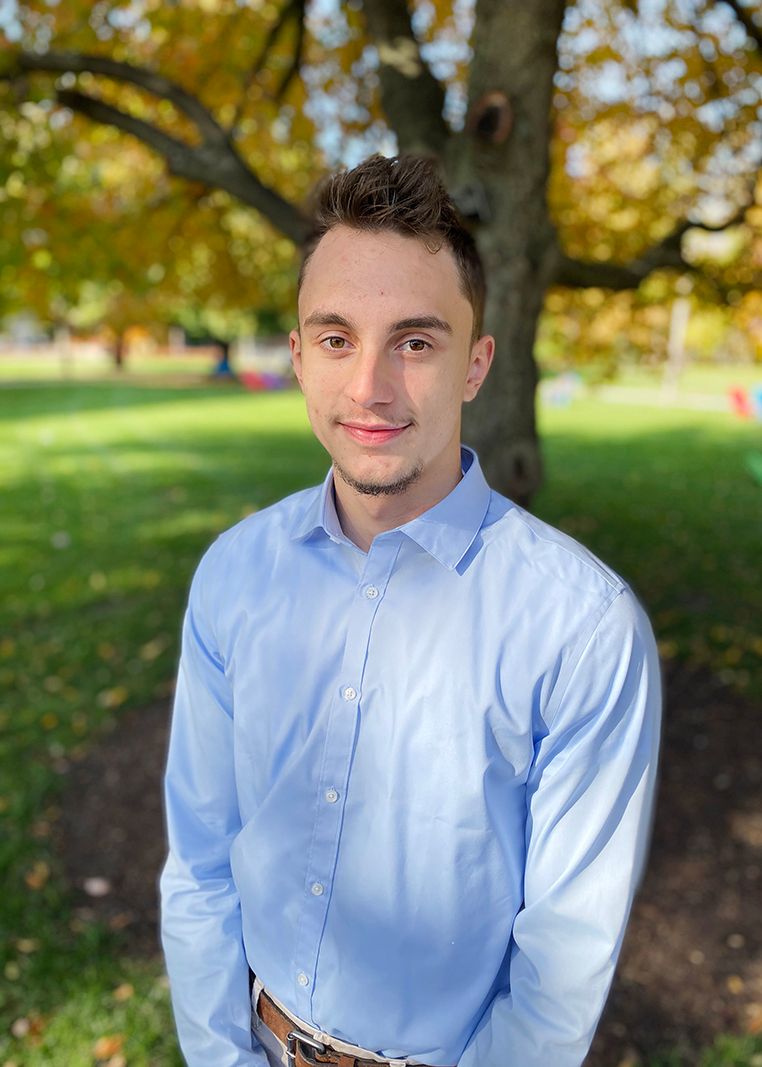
(403, 194)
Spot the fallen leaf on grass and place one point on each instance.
(97, 887)
(27, 945)
(746, 826)
(754, 1025)
(124, 991)
(112, 698)
(107, 1046)
(28, 1026)
(152, 649)
(38, 875)
(121, 920)
(630, 1059)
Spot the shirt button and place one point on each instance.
(371, 592)
(331, 796)
(350, 693)
(317, 889)
(302, 979)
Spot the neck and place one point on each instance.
(363, 516)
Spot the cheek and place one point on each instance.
(321, 396)
(442, 399)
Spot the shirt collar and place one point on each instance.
(446, 531)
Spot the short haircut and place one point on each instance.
(403, 194)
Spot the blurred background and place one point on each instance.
(155, 159)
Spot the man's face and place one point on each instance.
(384, 358)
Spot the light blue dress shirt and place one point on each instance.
(411, 788)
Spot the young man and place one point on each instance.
(415, 734)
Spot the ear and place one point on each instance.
(295, 343)
(482, 352)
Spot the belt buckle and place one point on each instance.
(295, 1038)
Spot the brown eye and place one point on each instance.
(336, 343)
(416, 344)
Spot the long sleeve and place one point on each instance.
(589, 800)
(200, 914)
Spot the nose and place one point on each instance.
(371, 381)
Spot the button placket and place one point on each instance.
(335, 769)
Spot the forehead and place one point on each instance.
(352, 266)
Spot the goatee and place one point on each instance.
(399, 485)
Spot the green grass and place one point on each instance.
(664, 497)
(111, 491)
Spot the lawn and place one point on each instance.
(111, 491)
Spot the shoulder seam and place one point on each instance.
(602, 570)
(584, 642)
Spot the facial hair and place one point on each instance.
(399, 485)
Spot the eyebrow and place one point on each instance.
(416, 322)
(329, 318)
(422, 322)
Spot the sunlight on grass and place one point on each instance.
(111, 494)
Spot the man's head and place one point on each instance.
(388, 347)
(401, 195)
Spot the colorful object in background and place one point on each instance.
(746, 404)
(562, 389)
(257, 381)
(756, 401)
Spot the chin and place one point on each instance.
(370, 481)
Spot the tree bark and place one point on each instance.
(118, 351)
(501, 162)
(413, 99)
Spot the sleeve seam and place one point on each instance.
(586, 639)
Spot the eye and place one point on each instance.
(334, 343)
(416, 344)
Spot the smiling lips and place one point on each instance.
(372, 435)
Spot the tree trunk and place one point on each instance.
(500, 166)
(118, 351)
(501, 423)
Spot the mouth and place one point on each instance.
(372, 435)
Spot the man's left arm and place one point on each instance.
(589, 800)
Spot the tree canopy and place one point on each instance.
(589, 144)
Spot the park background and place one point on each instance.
(153, 160)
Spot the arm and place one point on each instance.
(200, 920)
(589, 798)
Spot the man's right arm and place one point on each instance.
(200, 911)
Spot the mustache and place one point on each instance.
(374, 424)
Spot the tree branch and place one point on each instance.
(204, 163)
(582, 274)
(412, 97)
(296, 62)
(156, 84)
(290, 9)
(744, 16)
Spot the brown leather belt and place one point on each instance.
(302, 1049)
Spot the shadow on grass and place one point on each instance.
(101, 540)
